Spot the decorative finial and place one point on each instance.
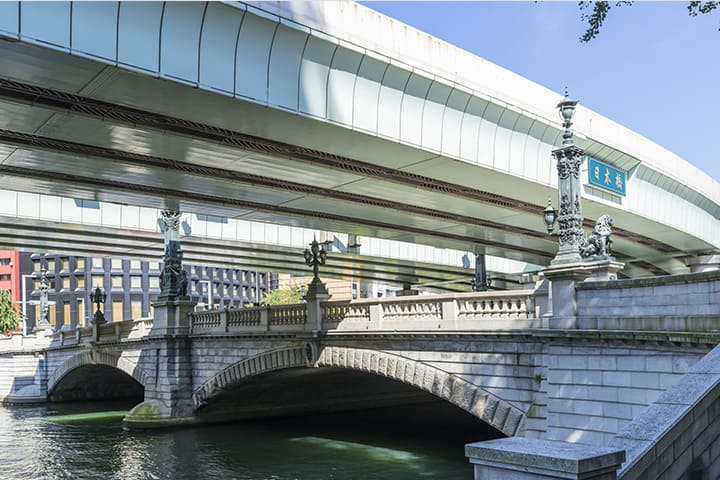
(567, 109)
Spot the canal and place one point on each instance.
(87, 441)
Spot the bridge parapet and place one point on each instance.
(476, 311)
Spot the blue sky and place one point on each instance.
(653, 68)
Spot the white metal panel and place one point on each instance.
(130, 217)
(432, 116)
(94, 28)
(532, 149)
(214, 227)
(217, 46)
(139, 34)
(111, 214)
(28, 205)
(71, 212)
(411, 116)
(180, 39)
(48, 22)
(547, 171)
(284, 70)
(452, 122)
(313, 76)
(518, 139)
(229, 230)
(506, 124)
(10, 18)
(390, 99)
(367, 91)
(243, 230)
(253, 53)
(341, 83)
(486, 135)
(8, 202)
(91, 215)
(50, 207)
(148, 219)
(472, 118)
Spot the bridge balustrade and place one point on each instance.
(466, 311)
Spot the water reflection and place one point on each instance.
(87, 442)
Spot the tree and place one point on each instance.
(9, 314)
(284, 296)
(597, 16)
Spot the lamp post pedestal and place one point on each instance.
(563, 279)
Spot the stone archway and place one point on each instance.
(465, 395)
(91, 357)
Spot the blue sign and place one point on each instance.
(606, 177)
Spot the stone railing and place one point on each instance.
(480, 311)
(18, 343)
(113, 332)
(465, 311)
(257, 319)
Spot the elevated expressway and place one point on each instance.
(322, 115)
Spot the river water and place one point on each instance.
(87, 441)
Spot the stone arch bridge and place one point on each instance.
(507, 358)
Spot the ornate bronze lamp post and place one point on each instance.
(314, 257)
(98, 297)
(569, 157)
(173, 278)
(43, 322)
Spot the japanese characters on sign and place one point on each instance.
(606, 177)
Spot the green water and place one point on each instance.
(87, 441)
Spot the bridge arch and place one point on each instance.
(91, 357)
(473, 399)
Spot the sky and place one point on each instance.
(653, 68)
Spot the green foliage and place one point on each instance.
(9, 315)
(284, 296)
(596, 17)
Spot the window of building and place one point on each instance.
(116, 263)
(5, 278)
(135, 264)
(52, 315)
(136, 282)
(66, 264)
(117, 309)
(64, 282)
(81, 263)
(81, 282)
(117, 281)
(67, 320)
(98, 281)
(97, 262)
(154, 282)
(36, 265)
(136, 309)
(4, 261)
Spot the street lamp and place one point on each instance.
(569, 157)
(98, 297)
(550, 215)
(42, 322)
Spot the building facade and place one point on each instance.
(131, 287)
